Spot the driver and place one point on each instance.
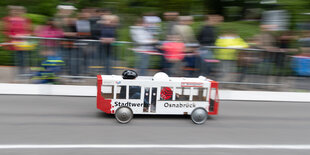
(134, 91)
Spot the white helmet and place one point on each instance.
(161, 76)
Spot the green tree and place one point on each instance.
(44, 7)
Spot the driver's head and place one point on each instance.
(129, 74)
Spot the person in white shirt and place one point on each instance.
(144, 42)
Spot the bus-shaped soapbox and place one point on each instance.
(158, 94)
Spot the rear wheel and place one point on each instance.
(199, 115)
(123, 115)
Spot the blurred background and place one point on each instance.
(243, 44)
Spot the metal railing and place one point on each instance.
(84, 58)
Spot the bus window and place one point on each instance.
(107, 91)
(166, 93)
(199, 94)
(121, 92)
(134, 92)
(213, 97)
(182, 93)
(213, 94)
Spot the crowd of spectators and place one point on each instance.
(173, 38)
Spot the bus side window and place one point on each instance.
(182, 93)
(199, 94)
(166, 93)
(213, 97)
(134, 92)
(213, 94)
(107, 91)
(121, 92)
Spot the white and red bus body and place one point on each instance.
(176, 96)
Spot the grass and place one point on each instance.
(246, 29)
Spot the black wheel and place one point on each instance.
(199, 115)
(123, 115)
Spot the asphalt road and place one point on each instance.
(75, 120)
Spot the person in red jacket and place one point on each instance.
(16, 25)
(174, 54)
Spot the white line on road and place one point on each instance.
(155, 146)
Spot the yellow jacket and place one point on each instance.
(229, 41)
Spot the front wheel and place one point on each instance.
(123, 115)
(199, 115)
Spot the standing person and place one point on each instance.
(95, 27)
(83, 28)
(96, 24)
(107, 37)
(53, 63)
(284, 44)
(65, 20)
(266, 41)
(16, 25)
(63, 13)
(228, 57)
(69, 48)
(83, 25)
(152, 24)
(300, 62)
(184, 30)
(186, 33)
(50, 30)
(144, 42)
(173, 54)
(207, 37)
(247, 61)
(170, 21)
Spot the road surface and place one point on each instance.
(57, 120)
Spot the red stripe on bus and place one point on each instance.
(102, 103)
(214, 84)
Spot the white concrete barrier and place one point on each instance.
(73, 90)
(264, 96)
(46, 89)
